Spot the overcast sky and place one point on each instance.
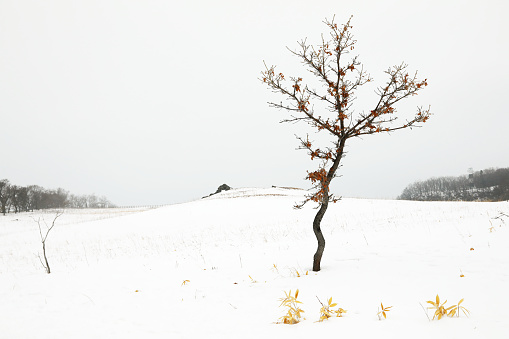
(158, 101)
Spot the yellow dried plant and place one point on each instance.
(326, 311)
(441, 310)
(383, 311)
(294, 312)
(457, 308)
(299, 274)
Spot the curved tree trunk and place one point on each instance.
(319, 236)
(323, 208)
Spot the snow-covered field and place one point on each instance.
(216, 267)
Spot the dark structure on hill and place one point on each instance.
(223, 187)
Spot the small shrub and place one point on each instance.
(441, 310)
(326, 311)
(383, 311)
(456, 309)
(293, 314)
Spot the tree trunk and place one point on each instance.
(48, 270)
(319, 236)
(323, 208)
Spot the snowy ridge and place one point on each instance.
(247, 192)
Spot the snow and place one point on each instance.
(119, 273)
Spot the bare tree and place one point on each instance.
(4, 195)
(19, 198)
(339, 77)
(105, 203)
(92, 201)
(34, 197)
(45, 264)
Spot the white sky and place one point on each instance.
(152, 101)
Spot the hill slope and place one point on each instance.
(238, 251)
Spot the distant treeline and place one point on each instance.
(486, 185)
(16, 199)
